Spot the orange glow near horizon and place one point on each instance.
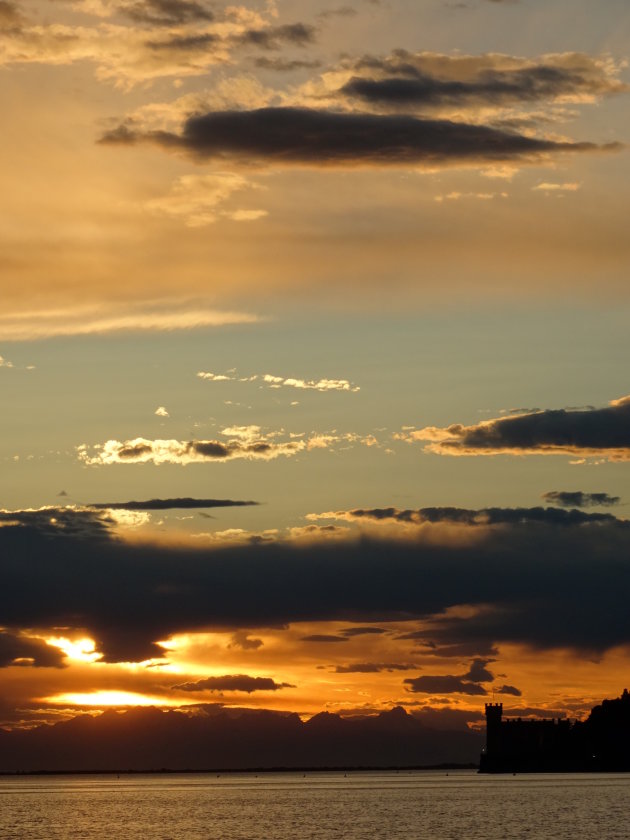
(108, 699)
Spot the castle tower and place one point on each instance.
(494, 713)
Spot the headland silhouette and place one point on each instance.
(601, 743)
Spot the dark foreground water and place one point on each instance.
(292, 806)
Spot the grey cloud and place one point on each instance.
(509, 689)
(282, 65)
(233, 682)
(170, 504)
(482, 517)
(460, 649)
(579, 499)
(167, 12)
(185, 43)
(135, 451)
(18, 650)
(404, 80)
(478, 671)
(444, 685)
(302, 136)
(270, 38)
(582, 433)
(538, 583)
(468, 683)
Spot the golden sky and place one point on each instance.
(313, 355)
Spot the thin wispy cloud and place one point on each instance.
(277, 382)
(84, 320)
(169, 504)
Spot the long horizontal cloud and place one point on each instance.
(164, 12)
(592, 432)
(444, 685)
(482, 517)
(373, 667)
(244, 442)
(103, 320)
(170, 504)
(302, 136)
(233, 682)
(143, 451)
(430, 81)
(531, 582)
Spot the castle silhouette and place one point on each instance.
(601, 743)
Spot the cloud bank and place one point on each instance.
(525, 581)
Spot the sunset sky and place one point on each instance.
(314, 355)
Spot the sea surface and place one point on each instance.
(392, 805)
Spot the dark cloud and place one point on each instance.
(468, 683)
(270, 38)
(233, 682)
(406, 80)
(579, 499)
(167, 12)
(461, 649)
(302, 136)
(170, 504)
(535, 582)
(363, 631)
(185, 43)
(282, 65)
(444, 685)
(482, 517)
(323, 637)
(601, 432)
(509, 689)
(59, 523)
(132, 452)
(373, 667)
(478, 671)
(19, 650)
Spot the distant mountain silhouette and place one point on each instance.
(230, 739)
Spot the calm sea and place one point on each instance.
(292, 806)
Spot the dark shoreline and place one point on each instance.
(235, 771)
